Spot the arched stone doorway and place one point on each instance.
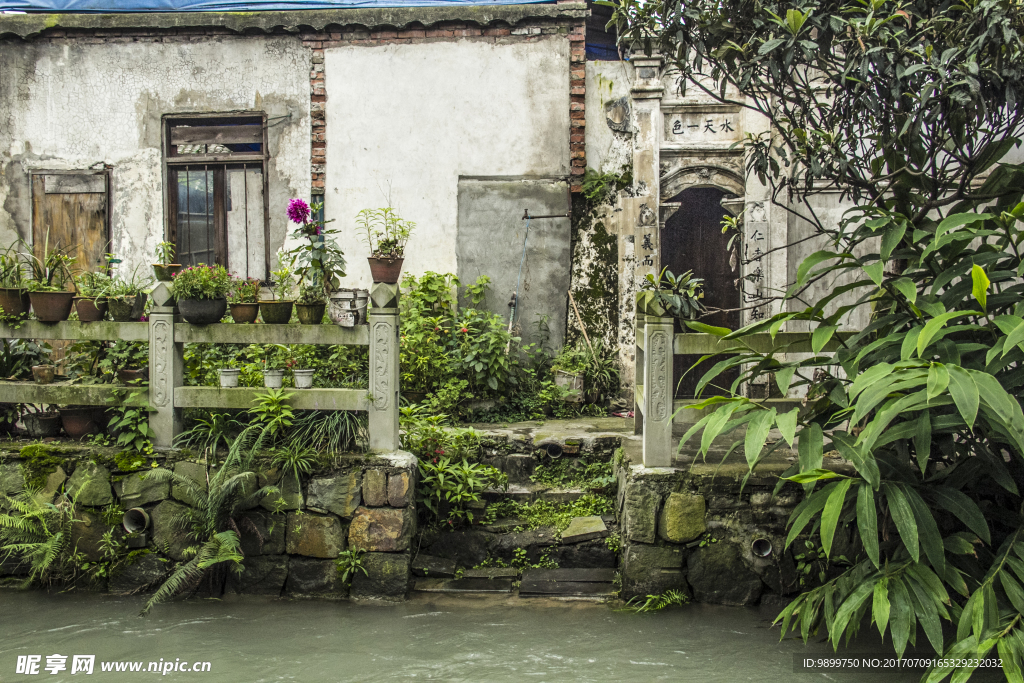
(692, 239)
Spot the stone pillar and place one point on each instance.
(647, 92)
(384, 377)
(658, 391)
(166, 364)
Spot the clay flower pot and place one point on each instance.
(43, 374)
(202, 311)
(52, 307)
(386, 270)
(90, 310)
(128, 308)
(129, 375)
(165, 272)
(276, 312)
(310, 314)
(14, 302)
(42, 425)
(244, 313)
(82, 421)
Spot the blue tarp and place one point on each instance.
(110, 6)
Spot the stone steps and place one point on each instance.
(589, 583)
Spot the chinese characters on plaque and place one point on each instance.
(701, 127)
(755, 263)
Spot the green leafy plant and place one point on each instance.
(244, 290)
(17, 356)
(93, 285)
(350, 562)
(447, 488)
(676, 296)
(13, 268)
(201, 282)
(654, 603)
(166, 253)
(126, 286)
(272, 413)
(131, 422)
(318, 260)
(282, 285)
(38, 533)
(123, 355)
(384, 232)
(52, 272)
(209, 433)
(295, 460)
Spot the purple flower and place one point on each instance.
(298, 211)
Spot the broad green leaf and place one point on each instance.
(821, 336)
(787, 425)
(923, 441)
(847, 609)
(810, 447)
(963, 508)
(938, 380)
(869, 377)
(875, 271)
(813, 475)
(981, 285)
(783, 377)
(1013, 338)
(1013, 590)
(903, 515)
(964, 392)
(830, 515)
(807, 510)
(928, 530)
(891, 238)
(757, 433)
(907, 288)
(707, 329)
(932, 327)
(910, 342)
(865, 463)
(901, 615)
(867, 521)
(880, 606)
(803, 271)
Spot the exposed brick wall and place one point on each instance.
(317, 42)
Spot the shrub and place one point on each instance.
(201, 282)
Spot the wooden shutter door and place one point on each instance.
(70, 209)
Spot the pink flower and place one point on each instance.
(298, 211)
(144, 319)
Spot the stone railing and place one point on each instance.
(655, 408)
(166, 394)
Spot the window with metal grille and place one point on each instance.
(217, 210)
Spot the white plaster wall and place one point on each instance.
(404, 122)
(607, 150)
(76, 105)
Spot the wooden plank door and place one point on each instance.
(692, 239)
(70, 209)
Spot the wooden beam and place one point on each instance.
(216, 135)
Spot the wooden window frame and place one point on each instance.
(219, 163)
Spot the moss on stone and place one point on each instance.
(38, 464)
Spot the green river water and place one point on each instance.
(428, 638)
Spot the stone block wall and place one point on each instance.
(291, 546)
(691, 529)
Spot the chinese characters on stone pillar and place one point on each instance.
(755, 264)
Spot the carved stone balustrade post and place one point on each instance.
(658, 391)
(166, 363)
(384, 376)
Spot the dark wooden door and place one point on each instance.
(692, 239)
(70, 210)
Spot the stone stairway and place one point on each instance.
(586, 565)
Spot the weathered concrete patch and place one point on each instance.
(340, 494)
(584, 529)
(315, 535)
(387, 576)
(718, 575)
(90, 485)
(381, 529)
(142, 488)
(682, 518)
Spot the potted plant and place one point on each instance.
(14, 303)
(44, 374)
(229, 376)
(41, 423)
(310, 305)
(200, 292)
(279, 310)
(243, 301)
(90, 304)
(82, 421)
(568, 367)
(50, 275)
(165, 268)
(128, 361)
(126, 296)
(317, 260)
(386, 234)
(275, 361)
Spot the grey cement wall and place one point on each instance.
(67, 104)
(491, 237)
(608, 149)
(405, 122)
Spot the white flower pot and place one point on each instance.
(272, 379)
(303, 378)
(229, 377)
